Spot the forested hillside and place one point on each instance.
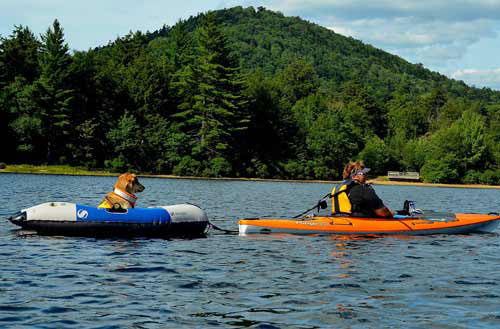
(242, 93)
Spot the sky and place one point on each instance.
(458, 38)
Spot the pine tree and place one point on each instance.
(214, 112)
(19, 56)
(52, 96)
(181, 49)
(18, 67)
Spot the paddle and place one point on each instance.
(320, 205)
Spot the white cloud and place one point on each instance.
(428, 9)
(428, 42)
(345, 31)
(404, 24)
(479, 78)
(437, 33)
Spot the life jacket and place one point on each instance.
(129, 197)
(105, 204)
(340, 198)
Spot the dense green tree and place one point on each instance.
(414, 154)
(18, 67)
(181, 45)
(362, 108)
(406, 117)
(128, 149)
(298, 80)
(27, 125)
(85, 151)
(442, 170)
(148, 82)
(332, 142)
(264, 126)
(165, 144)
(50, 96)
(472, 127)
(376, 155)
(214, 113)
(19, 56)
(463, 146)
(432, 103)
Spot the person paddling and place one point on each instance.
(356, 198)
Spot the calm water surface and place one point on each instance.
(231, 281)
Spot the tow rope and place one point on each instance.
(212, 226)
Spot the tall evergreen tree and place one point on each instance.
(19, 56)
(181, 49)
(52, 96)
(214, 114)
(18, 67)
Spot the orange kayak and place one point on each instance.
(462, 223)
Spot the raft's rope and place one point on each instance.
(210, 225)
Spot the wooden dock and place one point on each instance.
(404, 176)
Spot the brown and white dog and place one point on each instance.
(123, 195)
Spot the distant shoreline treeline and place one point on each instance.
(240, 93)
(64, 170)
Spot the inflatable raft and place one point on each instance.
(63, 218)
(460, 224)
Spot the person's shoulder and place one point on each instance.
(369, 187)
(355, 186)
(361, 186)
(356, 189)
(365, 189)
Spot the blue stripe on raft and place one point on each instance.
(133, 215)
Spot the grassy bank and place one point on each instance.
(53, 169)
(68, 170)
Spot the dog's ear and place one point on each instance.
(131, 180)
(122, 181)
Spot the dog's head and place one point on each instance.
(130, 183)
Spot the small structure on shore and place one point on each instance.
(404, 176)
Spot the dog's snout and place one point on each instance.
(138, 186)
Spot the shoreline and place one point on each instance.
(381, 180)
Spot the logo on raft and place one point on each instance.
(82, 213)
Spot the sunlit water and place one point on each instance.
(231, 281)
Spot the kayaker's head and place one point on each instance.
(350, 167)
(359, 175)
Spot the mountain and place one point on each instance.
(268, 40)
(241, 92)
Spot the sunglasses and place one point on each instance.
(359, 173)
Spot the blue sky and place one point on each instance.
(458, 38)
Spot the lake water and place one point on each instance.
(231, 281)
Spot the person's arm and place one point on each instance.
(384, 212)
(380, 209)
